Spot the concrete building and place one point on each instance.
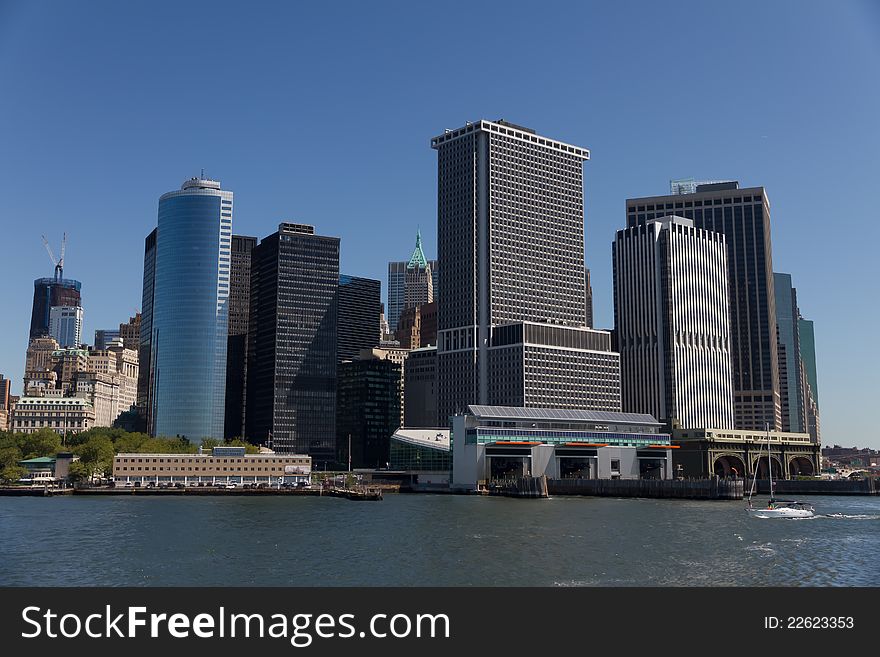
(511, 239)
(546, 365)
(420, 386)
(417, 326)
(129, 332)
(65, 415)
(368, 408)
(65, 325)
(50, 293)
(292, 342)
(358, 311)
(743, 216)
(410, 283)
(190, 311)
(228, 465)
(492, 443)
(145, 387)
(236, 343)
(38, 359)
(672, 321)
(705, 452)
(101, 391)
(6, 399)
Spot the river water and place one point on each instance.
(431, 540)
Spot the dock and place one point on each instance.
(365, 494)
(690, 489)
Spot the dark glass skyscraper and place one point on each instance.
(236, 344)
(359, 307)
(190, 310)
(49, 293)
(291, 345)
(789, 355)
(145, 353)
(743, 216)
(368, 403)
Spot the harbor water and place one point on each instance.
(432, 540)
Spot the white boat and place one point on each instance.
(776, 508)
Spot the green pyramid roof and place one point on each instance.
(418, 259)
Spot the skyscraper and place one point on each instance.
(410, 283)
(49, 293)
(791, 393)
(65, 325)
(130, 332)
(236, 344)
(145, 345)
(672, 320)
(358, 311)
(103, 337)
(291, 346)
(190, 310)
(512, 299)
(743, 216)
(368, 408)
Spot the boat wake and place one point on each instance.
(853, 516)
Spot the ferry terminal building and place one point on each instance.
(493, 443)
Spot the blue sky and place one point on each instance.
(323, 115)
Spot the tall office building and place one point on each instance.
(512, 299)
(411, 283)
(236, 343)
(743, 216)
(791, 393)
(672, 321)
(368, 408)
(129, 332)
(359, 308)
(190, 311)
(291, 345)
(65, 325)
(103, 337)
(145, 343)
(420, 383)
(49, 293)
(807, 343)
(809, 377)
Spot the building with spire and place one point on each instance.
(410, 283)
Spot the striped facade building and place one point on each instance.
(743, 216)
(672, 322)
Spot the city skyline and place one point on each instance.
(107, 236)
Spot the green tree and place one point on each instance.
(12, 473)
(79, 471)
(97, 454)
(43, 442)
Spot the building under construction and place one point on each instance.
(52, 292)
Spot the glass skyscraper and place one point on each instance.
(290, 392)
(190, 312)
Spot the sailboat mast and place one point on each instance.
(769, 462)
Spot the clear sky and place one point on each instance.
(322, 113)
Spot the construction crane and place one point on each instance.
(59, 264)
